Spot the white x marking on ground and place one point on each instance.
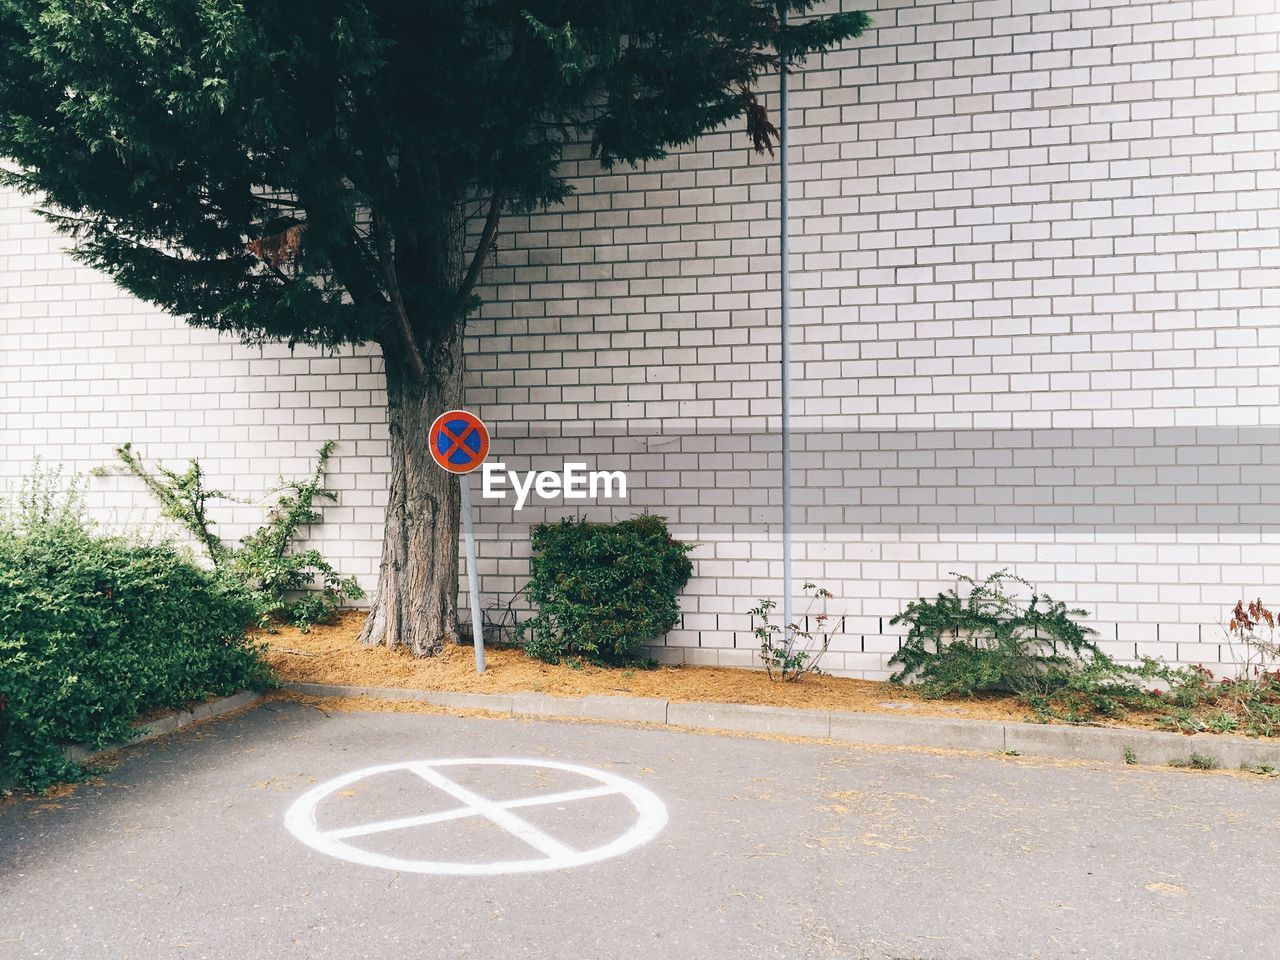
(650, 811)
(474, 805)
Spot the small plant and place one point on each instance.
(1192, 689)
(1130, 758)
(1247, 703)
(602, 590)
(989, 640)
(1259, 769)
(45, 504)
(790, 651)
(1196, 761)
(1246, 634)
(1182, 720)
(1221, 722)
(282, 582)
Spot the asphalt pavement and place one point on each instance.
(287, 832)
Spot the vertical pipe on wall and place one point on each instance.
(785, 271)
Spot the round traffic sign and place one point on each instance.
(649, 816)
(459, 441)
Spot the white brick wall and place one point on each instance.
(1036, 325)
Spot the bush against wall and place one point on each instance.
(978, 636)
(96, 630)
(297, 587)
(601, 590)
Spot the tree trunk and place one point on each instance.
(416, 601)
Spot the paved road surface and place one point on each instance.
(772, 850)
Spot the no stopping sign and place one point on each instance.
(459, 441)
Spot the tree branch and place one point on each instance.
(482, 248)
(397, 302)
(277, 200)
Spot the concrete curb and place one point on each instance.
(1107, 744)
(168, 724)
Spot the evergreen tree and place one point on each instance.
(309, 171)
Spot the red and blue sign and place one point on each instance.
(459, 441)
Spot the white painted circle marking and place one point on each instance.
(556, 855)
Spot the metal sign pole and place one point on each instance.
(473, 574)
(785, 268)
(459, 442)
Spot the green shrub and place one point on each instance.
(603, 589)
(300, 588)
(97, 630)
(991, 641)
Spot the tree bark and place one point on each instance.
(416, 605)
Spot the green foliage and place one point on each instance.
(989, 640)
(183, 497)
(791, 653)
(44, 503)
(280, 581)
(298, 171)
(1221, 721)
(1197, 701)
(603, 589)
(96, 630)
(1259, 768)
(1196, 761)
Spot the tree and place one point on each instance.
(333, 172)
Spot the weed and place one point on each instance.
(1221, 722)
(1259, 768)
(1196, 761)
(789, 651)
